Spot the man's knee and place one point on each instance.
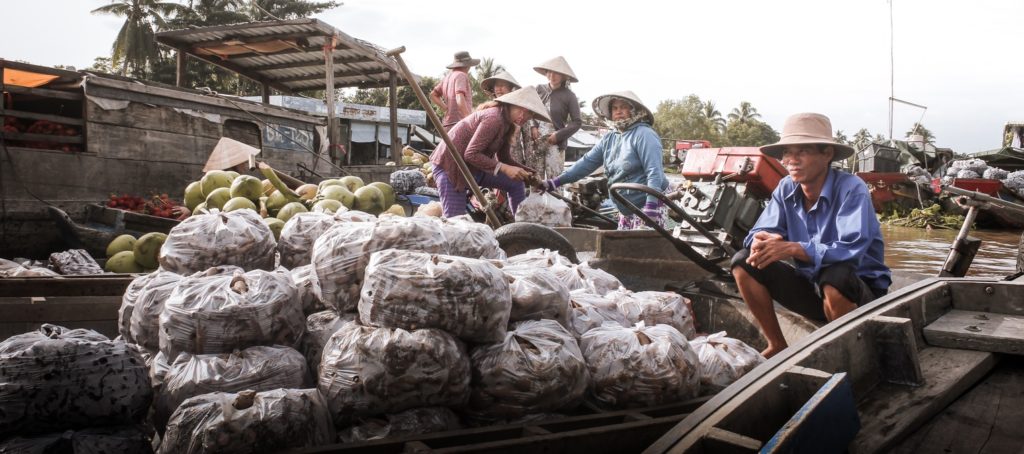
(839, 282)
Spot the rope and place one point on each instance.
(210, 92)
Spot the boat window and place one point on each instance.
(246, 132)
(41, 111)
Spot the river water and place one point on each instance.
(915, 254)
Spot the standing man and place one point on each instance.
(821, 220)
(453, 94)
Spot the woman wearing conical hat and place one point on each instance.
(500, 84)
(564, 110)
(630, 153)
(483, 138)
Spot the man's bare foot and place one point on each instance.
(772, 351)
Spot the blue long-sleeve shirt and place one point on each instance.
(841, 226)
(632, 156)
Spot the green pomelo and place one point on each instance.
(147, 249)
(370, 200)
(275, 202)
(239, 203)
(275, 225)
(120, 244)
(218, 198)
(339, 193)
(396, 210)
(306, 191)
(389, 192)
(200, 209)
(247, 186)
(352, 182)
(214, 179)
(327, 206)
(194, 195)
(122, 262)
(290, 210)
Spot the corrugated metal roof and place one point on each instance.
(287, 55)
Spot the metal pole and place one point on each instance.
(954, 250)
(492, 218)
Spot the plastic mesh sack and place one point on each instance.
(467, 238)
(975, 165)
(407, 181)
(539, 257)
(55, 379)
(468, 298)
(410, 422)
(143, 301)
(995, 173)
(640, 366)
(537, 368)
(298, 236)
(1015, 180)
(967, 173)
(319, 329)
(238, 238)
(117, 439)
(544, 209)
(588, 311)
(9, 268)
(537, 294)
(255, 368)
(225, 312)
(723, 360)
(308, 287)
(583, 276)
(341, 254)
(271, 420)
(368, 371)
(656, 308)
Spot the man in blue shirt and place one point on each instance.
(817, 248)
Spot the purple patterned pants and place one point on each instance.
(453, 201)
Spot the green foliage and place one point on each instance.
(749, 133)
(484, 70)
(840, 137)
(918, 128)
(691, 118)
(134, 49)
(931, 217)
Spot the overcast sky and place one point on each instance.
(960, 59)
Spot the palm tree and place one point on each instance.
(487, 68)
(862, 138)
(919, 129)
(712, 115)
(216, 12)
(744, 113)
(840, 137)
(135, 45)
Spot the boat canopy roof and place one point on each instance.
(288, 55)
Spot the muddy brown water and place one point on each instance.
(916, 254)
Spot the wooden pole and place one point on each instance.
(181, 76)
(456, 155)
(266, 93)
(396, 151)
(332, 121)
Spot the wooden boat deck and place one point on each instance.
(986, 419)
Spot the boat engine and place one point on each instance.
(726, 189)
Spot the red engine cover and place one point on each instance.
(762, 178)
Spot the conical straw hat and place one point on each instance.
(229, 153)
(558, 65)
(603, 104)
(528, 99)
(488, 83)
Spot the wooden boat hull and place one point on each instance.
(102, 224)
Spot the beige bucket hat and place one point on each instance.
(463, 60)
(558, 65)
(528, 99)
(807, 128)
(603, 104)
(229, 153)
(488, 83)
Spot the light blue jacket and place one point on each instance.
(633, 156)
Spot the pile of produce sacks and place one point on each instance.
(588, 311)
(537, 294)
(977, 168)
(141, 306)
(231, 310)
(298, 236)
(319, 329)
(271, 420)
(544, 209)
(308, 289)
(656, 308)
(239, 238)
(57, 379)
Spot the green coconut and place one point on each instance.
(396, 210)
(339, 193)
(214, 179)
(120, 244)
(122, 262)
(239, 203)
(247, 186)
(370, 200)
(329, 206)
(232, 174)
(275, 225)
(200, 209)
(194, 195)
(147, 249)
(290, 210)
(352, 182)
(218, 198)
(389, 192)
